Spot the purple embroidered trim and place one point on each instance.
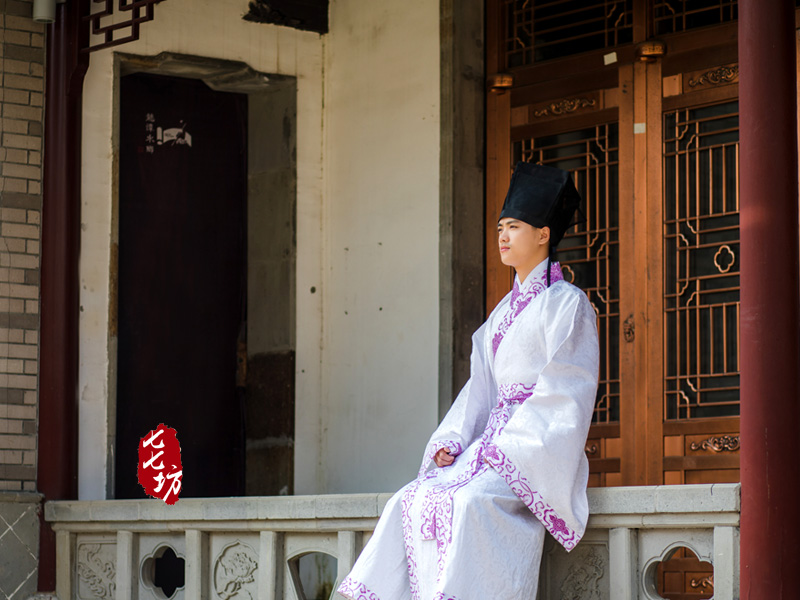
(408, 537)
(356, 590)
(519, 300)
(443, 596)
(533, 499)
(455, 450)
(437, 509)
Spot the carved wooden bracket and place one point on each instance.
(500, 82)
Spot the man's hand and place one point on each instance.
(443, 458)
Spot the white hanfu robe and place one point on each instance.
(474, 530)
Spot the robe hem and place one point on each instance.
(355, 590)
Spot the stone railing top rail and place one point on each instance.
(642, 506)
(21, 497)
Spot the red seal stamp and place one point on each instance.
(160, 469)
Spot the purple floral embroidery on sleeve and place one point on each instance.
(355, 590)
(520, 300)
(532, 499)
(443, 596)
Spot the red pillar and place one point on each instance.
(770, 297)
(57, 464)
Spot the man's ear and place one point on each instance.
(544, 237)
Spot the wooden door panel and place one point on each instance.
(701, 286)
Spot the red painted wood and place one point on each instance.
(770, 334)
(57, 464)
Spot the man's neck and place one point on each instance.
(536, 260)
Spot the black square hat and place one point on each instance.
(543, 197)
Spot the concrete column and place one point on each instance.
(726, 559)
(197, 566)
(270, 566)
(65, 550)
(347, 554)
(770, 297)
(127, 576)
(623, 557)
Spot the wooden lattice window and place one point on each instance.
(673, 16)
(701, 269)
(541, 30)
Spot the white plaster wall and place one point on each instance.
(367, 340)
(381, 223)
(210, 28)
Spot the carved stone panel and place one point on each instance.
(579, 575)
(234, 572)
(96, 567)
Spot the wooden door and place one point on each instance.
(181, 273)
(698, 378)
(639, 101)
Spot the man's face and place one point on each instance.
(520, 243)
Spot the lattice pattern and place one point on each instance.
(589, 254)
(540, 30)
(672, 16)
(136, 12)
(701, 260)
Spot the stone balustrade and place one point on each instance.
(242, 548)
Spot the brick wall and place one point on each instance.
(21, 99)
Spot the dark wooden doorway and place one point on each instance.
(181, 278)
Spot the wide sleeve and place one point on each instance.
(467, 416)
(540, 452)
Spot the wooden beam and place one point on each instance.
(307, 15)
